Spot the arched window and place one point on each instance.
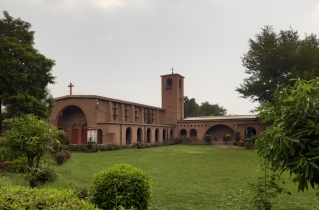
(169, 83)
(164, 135)
(183, 132)
(193, 133)
(139, 135)
(149, 135)
(156, 134)
(128, 136)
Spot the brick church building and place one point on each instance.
(112, 121)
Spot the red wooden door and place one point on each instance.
(75, 136)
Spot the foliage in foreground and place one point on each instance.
(291, 142)
(121, 185)
(266, 189)
(22, 198)
(31, 138)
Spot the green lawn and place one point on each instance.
(184, 177)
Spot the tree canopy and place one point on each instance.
(291, 142)
(192, 109)
(24, 72)
(275, 58)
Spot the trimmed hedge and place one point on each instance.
(96, 147)
(121, 185)
(21, 198)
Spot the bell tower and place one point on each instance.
(173, 97)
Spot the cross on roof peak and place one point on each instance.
(70, 86)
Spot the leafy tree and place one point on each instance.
(237, 136)
(291, 142)
(24, 72)
(208, 138)
(29, 137)
(207, 109)
(275, 58)
(191, 108)
(227, 137)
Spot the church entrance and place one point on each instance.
(73, 121)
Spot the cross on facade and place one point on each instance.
(70, 86)
(172, 71)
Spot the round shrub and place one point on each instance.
(61, 157)
(121, 185)
(208, 138)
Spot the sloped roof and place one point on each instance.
(105, 99)
(228, 117)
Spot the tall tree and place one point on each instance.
(191, 108)
(275, 58)
(207, 109)
(24, 72)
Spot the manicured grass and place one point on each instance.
(184, 176)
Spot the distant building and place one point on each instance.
(112, 121)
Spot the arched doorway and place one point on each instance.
(99, 136)
(84, 134)
(73, 117)
(193, 133)
(183, 132)
(156, 135)
(164, 134)
(217, 132)
(139, 135)
(128, 136)
(250, 132)
(149, 135)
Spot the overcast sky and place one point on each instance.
(119, 48)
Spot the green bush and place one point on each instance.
(51, 199)
(18, 165)
(247, 145)
(237, 136)
(67, 154)
(235, 143)
(82, 192)
(42, 175)
(96, 148)
(227, 137)
(121, 185)
(6, 154)
(61, 157)
(139, 145)
(208, 138)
